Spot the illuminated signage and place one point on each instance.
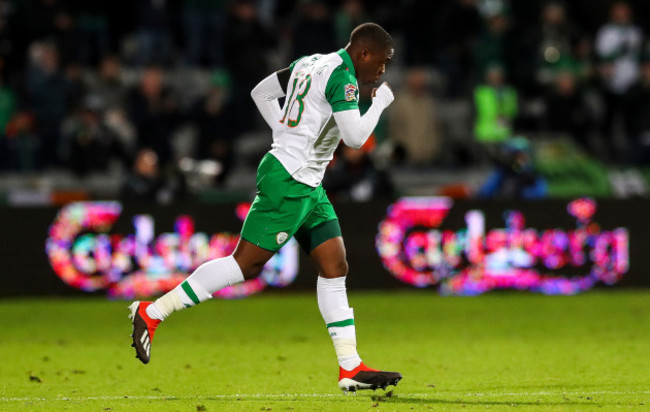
(86, 256)
(468, 261)
(415, 243)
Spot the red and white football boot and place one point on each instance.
(363, 377)
(143, 330)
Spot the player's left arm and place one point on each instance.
(342, 93)
(266, 95)
(354, 128)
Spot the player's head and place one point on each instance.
(620, 12)
(370, 48)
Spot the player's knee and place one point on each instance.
(336, 270)
(252, 270)
(343, 268)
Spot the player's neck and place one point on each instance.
(353, 53)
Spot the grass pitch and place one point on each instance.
(502, 351)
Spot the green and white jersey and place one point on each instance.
(307, 136)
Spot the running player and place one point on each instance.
(320, 109)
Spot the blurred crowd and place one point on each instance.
(86, 85)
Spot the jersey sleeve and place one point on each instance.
(342, 91)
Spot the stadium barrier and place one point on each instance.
(451, 247)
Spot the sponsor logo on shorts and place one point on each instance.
(350, 92)
(281, 237)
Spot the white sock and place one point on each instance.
(339, 318)
(198, 287)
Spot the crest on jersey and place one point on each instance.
(350, 92)
(281, 237)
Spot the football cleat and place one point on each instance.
(143, 330)
(363, 377)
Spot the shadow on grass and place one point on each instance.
(480, 402)
(437, 400)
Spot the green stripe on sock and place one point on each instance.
(341, 323)
(188, 289)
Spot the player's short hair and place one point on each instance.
(372, 35)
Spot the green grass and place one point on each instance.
(502, 351)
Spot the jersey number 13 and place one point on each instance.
(299, 89)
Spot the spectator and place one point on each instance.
(212, 115)
(52, 21)
(459, 25)
(567, 111)
(514, 174)
(350, 14)
(154, 111)
(313, 29)
(118, 125)
(413, 127)
(92, 32)
(555, 40)
(490, 8)
(22, 146)
(570, 73)
(107, 83)
(618, 45)
(582, 64)
(7, 106)
(354, 177)
(639, 149)
(153, 24)
(419, 32)
(108, 87)
(47, 96)
(496, 107)
(145, 183)
(90, 143)
(204, 23)
(490, 47)
(248, 64)
(12, 41)
(76, 85)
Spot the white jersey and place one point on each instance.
(319, 85)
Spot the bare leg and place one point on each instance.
(250, 258)
(330, 258)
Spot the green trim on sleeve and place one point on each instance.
(342, 91)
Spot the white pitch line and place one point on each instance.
(547, 393)
(318, 395)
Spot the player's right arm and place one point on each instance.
(268, 91)
(266, 95)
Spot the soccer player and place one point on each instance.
(320, 109)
